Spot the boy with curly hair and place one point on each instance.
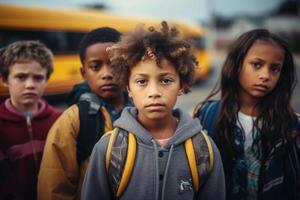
(156, 66)
(25, 118)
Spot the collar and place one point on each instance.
(9, 106)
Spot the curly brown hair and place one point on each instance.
(23, 51)
(142, 44)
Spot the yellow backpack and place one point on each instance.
(121, 152)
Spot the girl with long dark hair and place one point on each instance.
(253, 123)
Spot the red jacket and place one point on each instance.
(22, 141)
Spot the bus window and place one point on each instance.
(60, 42)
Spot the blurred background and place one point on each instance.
(210, 25)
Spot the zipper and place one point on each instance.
(30, 132)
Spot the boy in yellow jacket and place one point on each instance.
(67, 154)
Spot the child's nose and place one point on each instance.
(154, 91)
(29, 83)
(264, 74)
(106, 73)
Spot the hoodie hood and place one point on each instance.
(186, 128)
(9, 113)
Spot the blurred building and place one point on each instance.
(285, 21)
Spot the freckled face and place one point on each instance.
(261, 70)
(154, 89)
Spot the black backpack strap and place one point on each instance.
(76, 92)
(91, 125)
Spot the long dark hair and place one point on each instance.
(275, 112)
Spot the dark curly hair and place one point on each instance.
(142, 44)
(24, 50)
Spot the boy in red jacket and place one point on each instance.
(25, 118)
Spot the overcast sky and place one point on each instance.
(194, 10)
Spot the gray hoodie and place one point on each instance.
(158, 173)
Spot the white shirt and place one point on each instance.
(245, 122)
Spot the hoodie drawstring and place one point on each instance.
(156, 169)
(166, 172)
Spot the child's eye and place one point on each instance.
(141, 82)
(21, 77)
(275, 68)
(166, 81)
(38, 78)
(95, 66)
(256, 65)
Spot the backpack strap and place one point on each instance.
(91, 125)
(120, 159)
(208, 114)
(77, 91)
(197, 109)
(121, 152)
(200, 158)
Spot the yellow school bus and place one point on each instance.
(62, 30)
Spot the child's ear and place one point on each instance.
(129, 92)
(82, 71)
(180, 92)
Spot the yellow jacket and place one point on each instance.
(60, 177)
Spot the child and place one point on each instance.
(77, 130)
(25, 118)
(156, 67)
(253, 124)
